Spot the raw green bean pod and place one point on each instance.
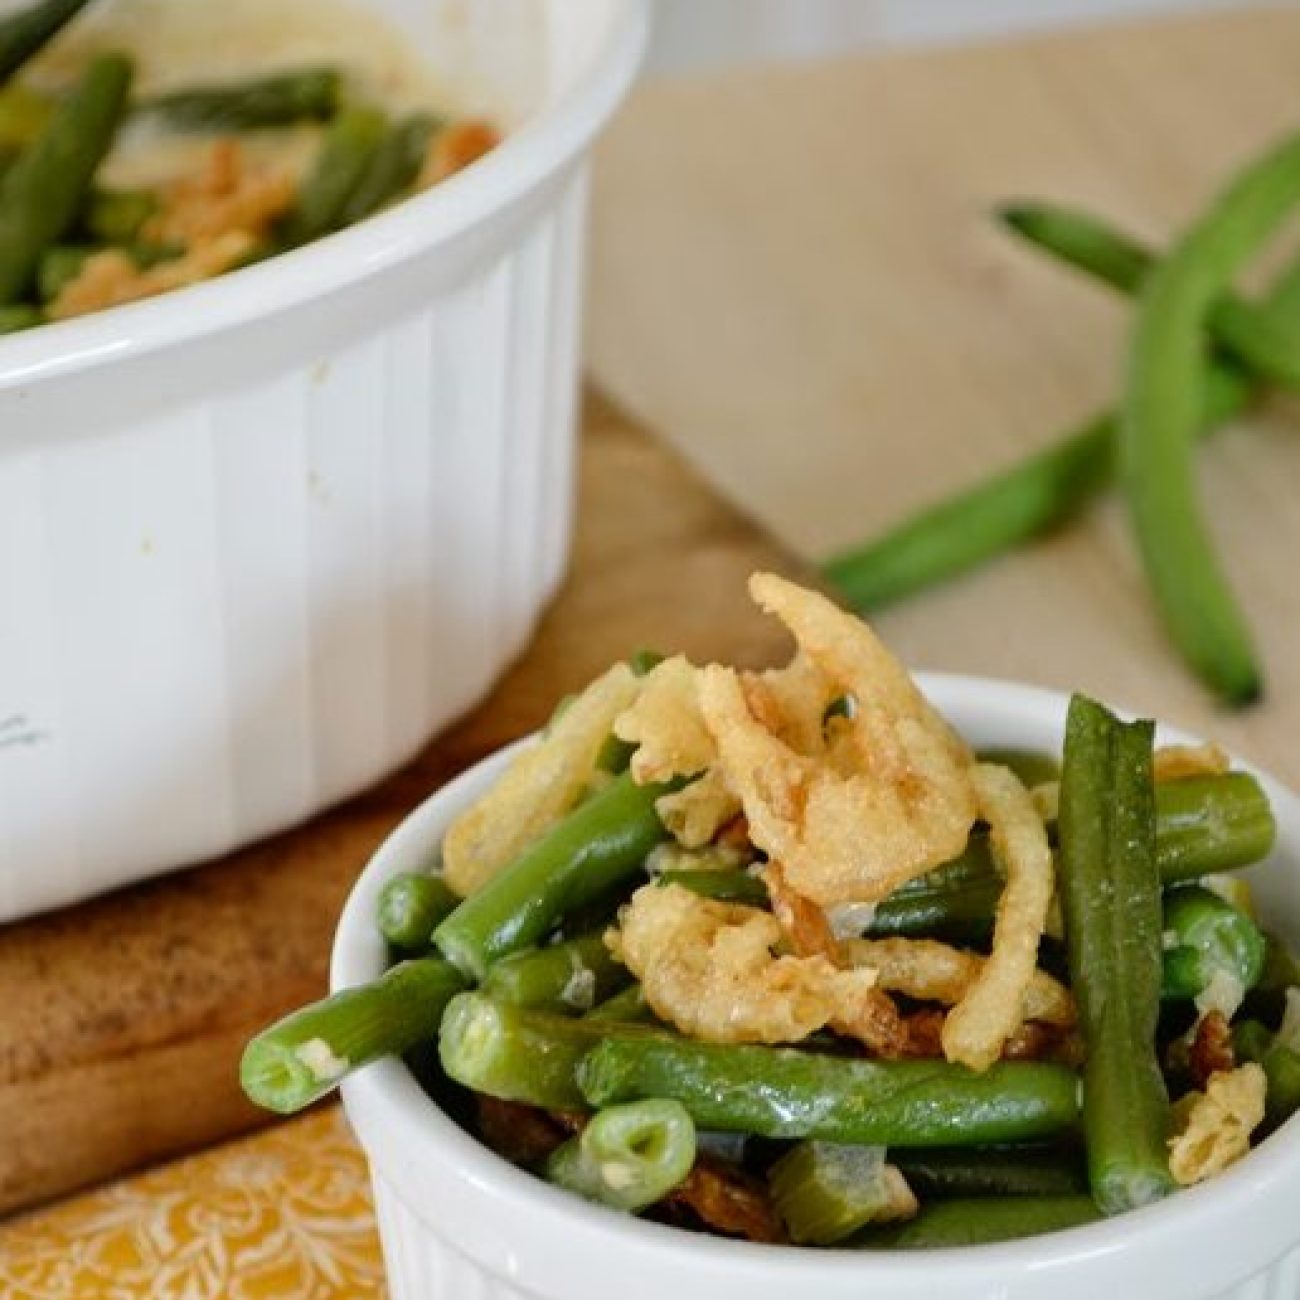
(1266, 346)
(1162, 410)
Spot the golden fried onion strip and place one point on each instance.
(538, 788)
(993, 1007)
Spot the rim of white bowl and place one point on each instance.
(390, 1089)
(523, 160)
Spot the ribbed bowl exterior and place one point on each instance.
(421, 1264)
(226, 612)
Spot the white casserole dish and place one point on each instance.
(458, 1222)
(259, 539)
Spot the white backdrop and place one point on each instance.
(696, 34)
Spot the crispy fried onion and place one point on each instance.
(671, 739)
(538, 788)
(874, 1019)
(993, 1007)
(871, 800)
(930, 971)
(709, 969)
(728, 1200)
(1213, 1127)
(1175, 761)
(1211, 1051)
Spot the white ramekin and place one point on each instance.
(458, 1223)
(260, 538)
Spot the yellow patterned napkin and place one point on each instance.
(285, 1214)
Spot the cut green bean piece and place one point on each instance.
(994, 1171)
(601, 843)
(43, 191)
(1209, 947)
(628, 1007)
(627, 1157)
(787, 1093)
(304, 94)
(1161, 411)
(1279, 1054)
(1110, 889)
(727, 886)
(23, 33)
(393, 168)
(515, 1054)
(18, 316)
(58, 267)
(117, 216)
(302, 1057)
(1021, 503)
(411, 905)
(346, 153)
(825, 1192)
(982, 1222)
(566, 978)
(1257, 338)
(1204, 825)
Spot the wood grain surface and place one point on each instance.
(124, 1018)
(836, 331)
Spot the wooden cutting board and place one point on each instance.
(123, 1019)
(798, 280)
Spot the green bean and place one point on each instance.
(1161, 410)
(825, 1192)
(565, 978)
(787, 1093)
(346, 152)
(18, 316)
(117, 216)
(23, 33)
(1255, 337)
(24, 114)
(515, 1054)
(1029, 499)
(1209, 824)
(726, 885)
(627, 1007)
(627, 1157)
(601, 843)
(1204, 825)
(278, 100)
(1110, 889)
(1279, 1054)
(393, 168)
(58, 267)
(302, 1057)
(981, 1222)
(1207, 940)
(43, 191)
(993, 1171)
(411, 905)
